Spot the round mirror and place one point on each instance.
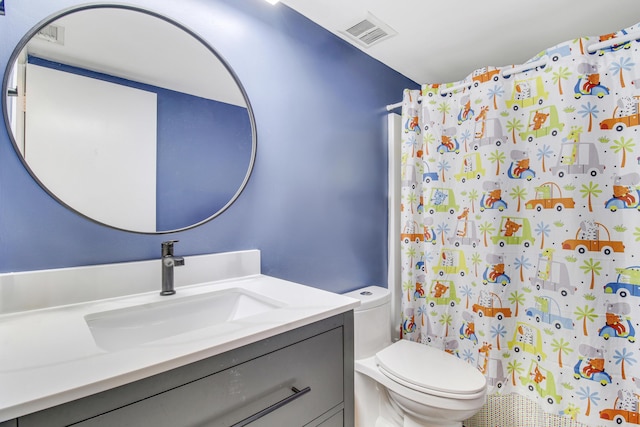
(129, 119)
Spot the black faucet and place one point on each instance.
(168, 262)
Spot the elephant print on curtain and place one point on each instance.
(521, 227)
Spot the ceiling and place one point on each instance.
(445, 41)
(138, 47)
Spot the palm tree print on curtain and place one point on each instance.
(521, 227)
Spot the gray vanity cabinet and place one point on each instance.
(300, 378)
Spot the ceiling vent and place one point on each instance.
(52, 33)
(369, 31)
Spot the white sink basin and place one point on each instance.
(131, 326)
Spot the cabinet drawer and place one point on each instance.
(237, 393)
(336, 420)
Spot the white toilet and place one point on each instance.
(407, 383)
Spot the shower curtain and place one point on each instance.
(520, 230)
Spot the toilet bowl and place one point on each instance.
(407, 383)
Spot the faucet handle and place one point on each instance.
(167, 247)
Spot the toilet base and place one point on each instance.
(413, 419)
(378, 404)
(375, 408)
(408, 422)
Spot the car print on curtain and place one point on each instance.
(521, 227)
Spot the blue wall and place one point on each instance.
(316, 204)
(204, 150)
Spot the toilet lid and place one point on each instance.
(425, 368)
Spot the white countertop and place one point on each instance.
(48, 356)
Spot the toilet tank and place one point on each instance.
(372, 320)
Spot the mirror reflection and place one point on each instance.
(129, 119)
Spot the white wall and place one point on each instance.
(115, 155)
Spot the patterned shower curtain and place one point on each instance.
(521, 227)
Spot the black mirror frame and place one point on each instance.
(29, 35)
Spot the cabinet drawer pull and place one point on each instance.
(296, 394)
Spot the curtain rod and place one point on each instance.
(507, 72)
(398, 104)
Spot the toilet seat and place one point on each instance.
(406, 362)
